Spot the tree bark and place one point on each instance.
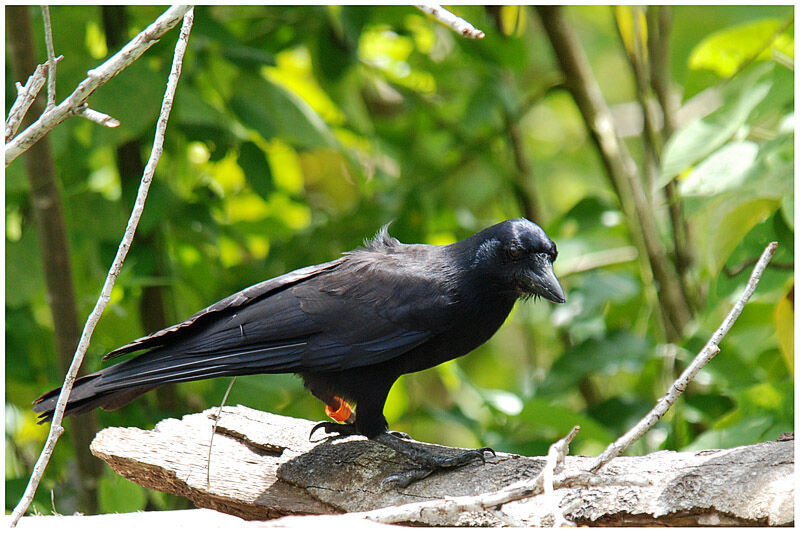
(54, 244)
(263, 466)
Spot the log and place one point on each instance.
(264, 466)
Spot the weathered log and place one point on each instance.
(264, 466)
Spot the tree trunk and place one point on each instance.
(54, 243)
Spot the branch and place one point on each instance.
(51, 59)
(706, 354)
(620, 167)
(659, 22)
(266, 467)
(55, 428)
(447, 18)
(98, 117)
(97, 77)
(25, 97)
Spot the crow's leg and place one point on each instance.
(428, 462)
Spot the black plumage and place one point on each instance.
(349, 327)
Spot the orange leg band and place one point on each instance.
(340, 412)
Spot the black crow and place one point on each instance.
(349, 327)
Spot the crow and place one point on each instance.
(349, 327)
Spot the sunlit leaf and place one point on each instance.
(722, 170)
(627, 18)
(513, 20)
(703, 136)
(726, 50)
(726, 223)
(274, 112)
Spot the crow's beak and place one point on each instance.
(547, 285)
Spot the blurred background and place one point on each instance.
(298, 131)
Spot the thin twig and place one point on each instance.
(25, 97)
(635, 53)
(97, 77)
(659, 23)
(96, 116)
(555, 457)
(483, 502)
(158, 142)
(214, 431)
(738, 269)
(706, 354)
(51, 59)
(447, 18)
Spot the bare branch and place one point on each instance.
(97, 77)
(51, 59)
(55, 428)
(96, 116)
(25, 97)
(447, 18)
(706, 354)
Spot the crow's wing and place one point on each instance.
(231, 303)
(370, 311)
(353, 313)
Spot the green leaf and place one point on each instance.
(787, 209)
(748, 431)
(726, 222)
(274, 112)
(256, 169)
(619, 350)
(726, 50)
(544, 413)
(703, 136)
(784, 327)
(723, 170)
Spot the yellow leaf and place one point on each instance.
(512, 20)
(626, 16)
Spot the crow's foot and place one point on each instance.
(428, 462)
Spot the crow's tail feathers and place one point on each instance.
(85, 397)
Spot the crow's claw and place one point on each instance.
(334, 427)
(398, 434)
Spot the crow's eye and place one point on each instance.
(514, 252)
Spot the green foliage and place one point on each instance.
(725, 51)
(299, 130)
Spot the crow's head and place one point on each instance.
(518, 255)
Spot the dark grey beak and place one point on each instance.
(547, 285)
